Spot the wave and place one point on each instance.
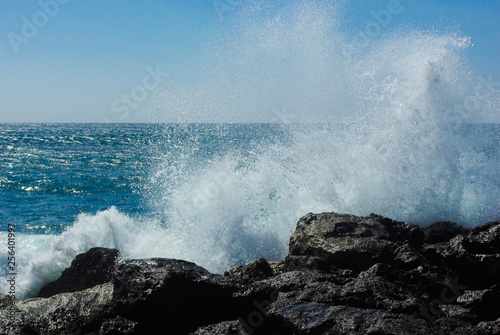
(391, 141)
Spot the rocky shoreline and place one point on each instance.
(344, 274)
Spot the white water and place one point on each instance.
(399, 156)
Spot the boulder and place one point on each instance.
(66, 313)
(89, 269)
(352, 242)
(475, 257)
(159, 292)
(344, 274)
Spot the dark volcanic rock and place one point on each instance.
(223, 328)
(180, 294)
(475, 258)
(485, 303)
(66, 313)
(352, 242)
(256, 270)
(344, 275)
(443, 231)
(94, 267)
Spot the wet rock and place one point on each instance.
(485, 303)
(256, 270)
(278, 267)
(94, 267)
(66, 313)
(490, 327)
(433, 253)
(475, 257)
(443, 231)
(223, 328)
(159, 292)
(344, 274)
(408, 257)
(117, 326)
(352, 242)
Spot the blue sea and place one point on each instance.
(400, 124)
(225, 194)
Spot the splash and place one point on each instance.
(384, 131)
(392, 138)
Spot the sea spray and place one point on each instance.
(379, 132)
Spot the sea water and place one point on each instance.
(404, 129)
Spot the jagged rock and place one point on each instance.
(291, 316)
(344, 275)
(293, 262)
(408, 257)
(458, 312)
(118, 326)
(433, 253)
(352, 242)
(6, 300)
(278, 267)
(66, 313)
(253, 271)
(159, 292)
(490, 327)
(94, 267)
(223, 328)
(475, 258)
(443, 231)
(485, 303)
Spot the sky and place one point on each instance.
(120, 61)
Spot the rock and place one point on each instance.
(475, 258)
(6, 300)
(433, 253)
(94, 267)
(491, 327)
(352, 242)
(223, 328)
(293, 262)
(253, 271)
(159, 292)
(290, 316)
(66, 313)
(408, 257)
(485, 303)
(484, 239)
(344, 274)
(443, 231)
(278, 267)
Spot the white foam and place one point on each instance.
(399, 157)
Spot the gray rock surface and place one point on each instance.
(343, 275)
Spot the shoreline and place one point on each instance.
(344, 274)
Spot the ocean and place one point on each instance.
(224, 194)
(398, 123)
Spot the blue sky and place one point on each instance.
(87, 54)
